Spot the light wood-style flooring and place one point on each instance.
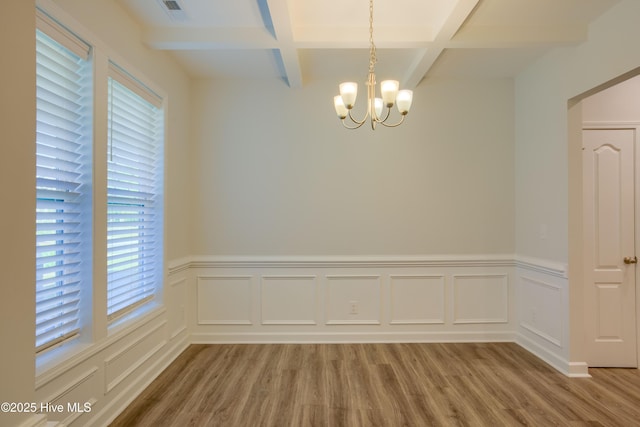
(476, 384)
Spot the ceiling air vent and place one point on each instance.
(174, 9)
(172, 5)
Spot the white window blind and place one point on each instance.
(63, 144)
(135, 178)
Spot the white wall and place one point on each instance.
(619, 103)
(542, 93)
(296, 218)
(276, 174)
(548, 172)
(17, 216)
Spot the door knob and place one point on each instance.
(630, 260)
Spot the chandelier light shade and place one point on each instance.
(378, 108)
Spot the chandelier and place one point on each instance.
(344, 102)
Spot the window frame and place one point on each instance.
(136, 88)
(96, 329)
(63, 189)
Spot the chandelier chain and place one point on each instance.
(372, 46)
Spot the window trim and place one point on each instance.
(53, 167)
(99, 331)
(124, 81)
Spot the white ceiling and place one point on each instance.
(304, 40)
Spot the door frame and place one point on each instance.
(614, 125)
(576, 341)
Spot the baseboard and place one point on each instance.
(348, 337)
(570, 369)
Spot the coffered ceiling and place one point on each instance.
(298, 41)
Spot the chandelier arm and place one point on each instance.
(379, 120)
(358, 122)
(352, 127)
(395, 124)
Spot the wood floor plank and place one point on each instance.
(475, 384)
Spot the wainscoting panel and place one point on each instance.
(480, 298)
(353, 300)
(289, 300)
(542, 292)
(76, 398)
(224, 300)
(121, 364)
(177, 313)
(417, 299)
(540, 310)
(95, 384)
(313, 299)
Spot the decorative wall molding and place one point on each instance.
(543, 314)
(48, 375)
(114, 376)
(550, 268)
(182, 331)
(469, 298)
(178, 282)
(417, 299)
(498, 260)
(545, 309)
(490, 289)
(178, 266)
(177, 312)
(307, 300)
(364, 261)
(38, 420)
(224, 300)
(353, 299)
(276, 291)
(130, 391)
(65, 394)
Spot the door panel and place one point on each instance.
(610, 299)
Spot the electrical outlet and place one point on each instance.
(353, 307)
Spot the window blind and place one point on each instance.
(134, 198)
(62, 119)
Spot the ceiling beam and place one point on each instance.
(280, 12)
(521, 35)
(171, 38)
(427, 57)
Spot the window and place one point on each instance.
(134, 215)
(63, 245)
(80, 292)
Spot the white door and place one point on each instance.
(609, 247)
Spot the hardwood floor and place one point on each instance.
(479, 384)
